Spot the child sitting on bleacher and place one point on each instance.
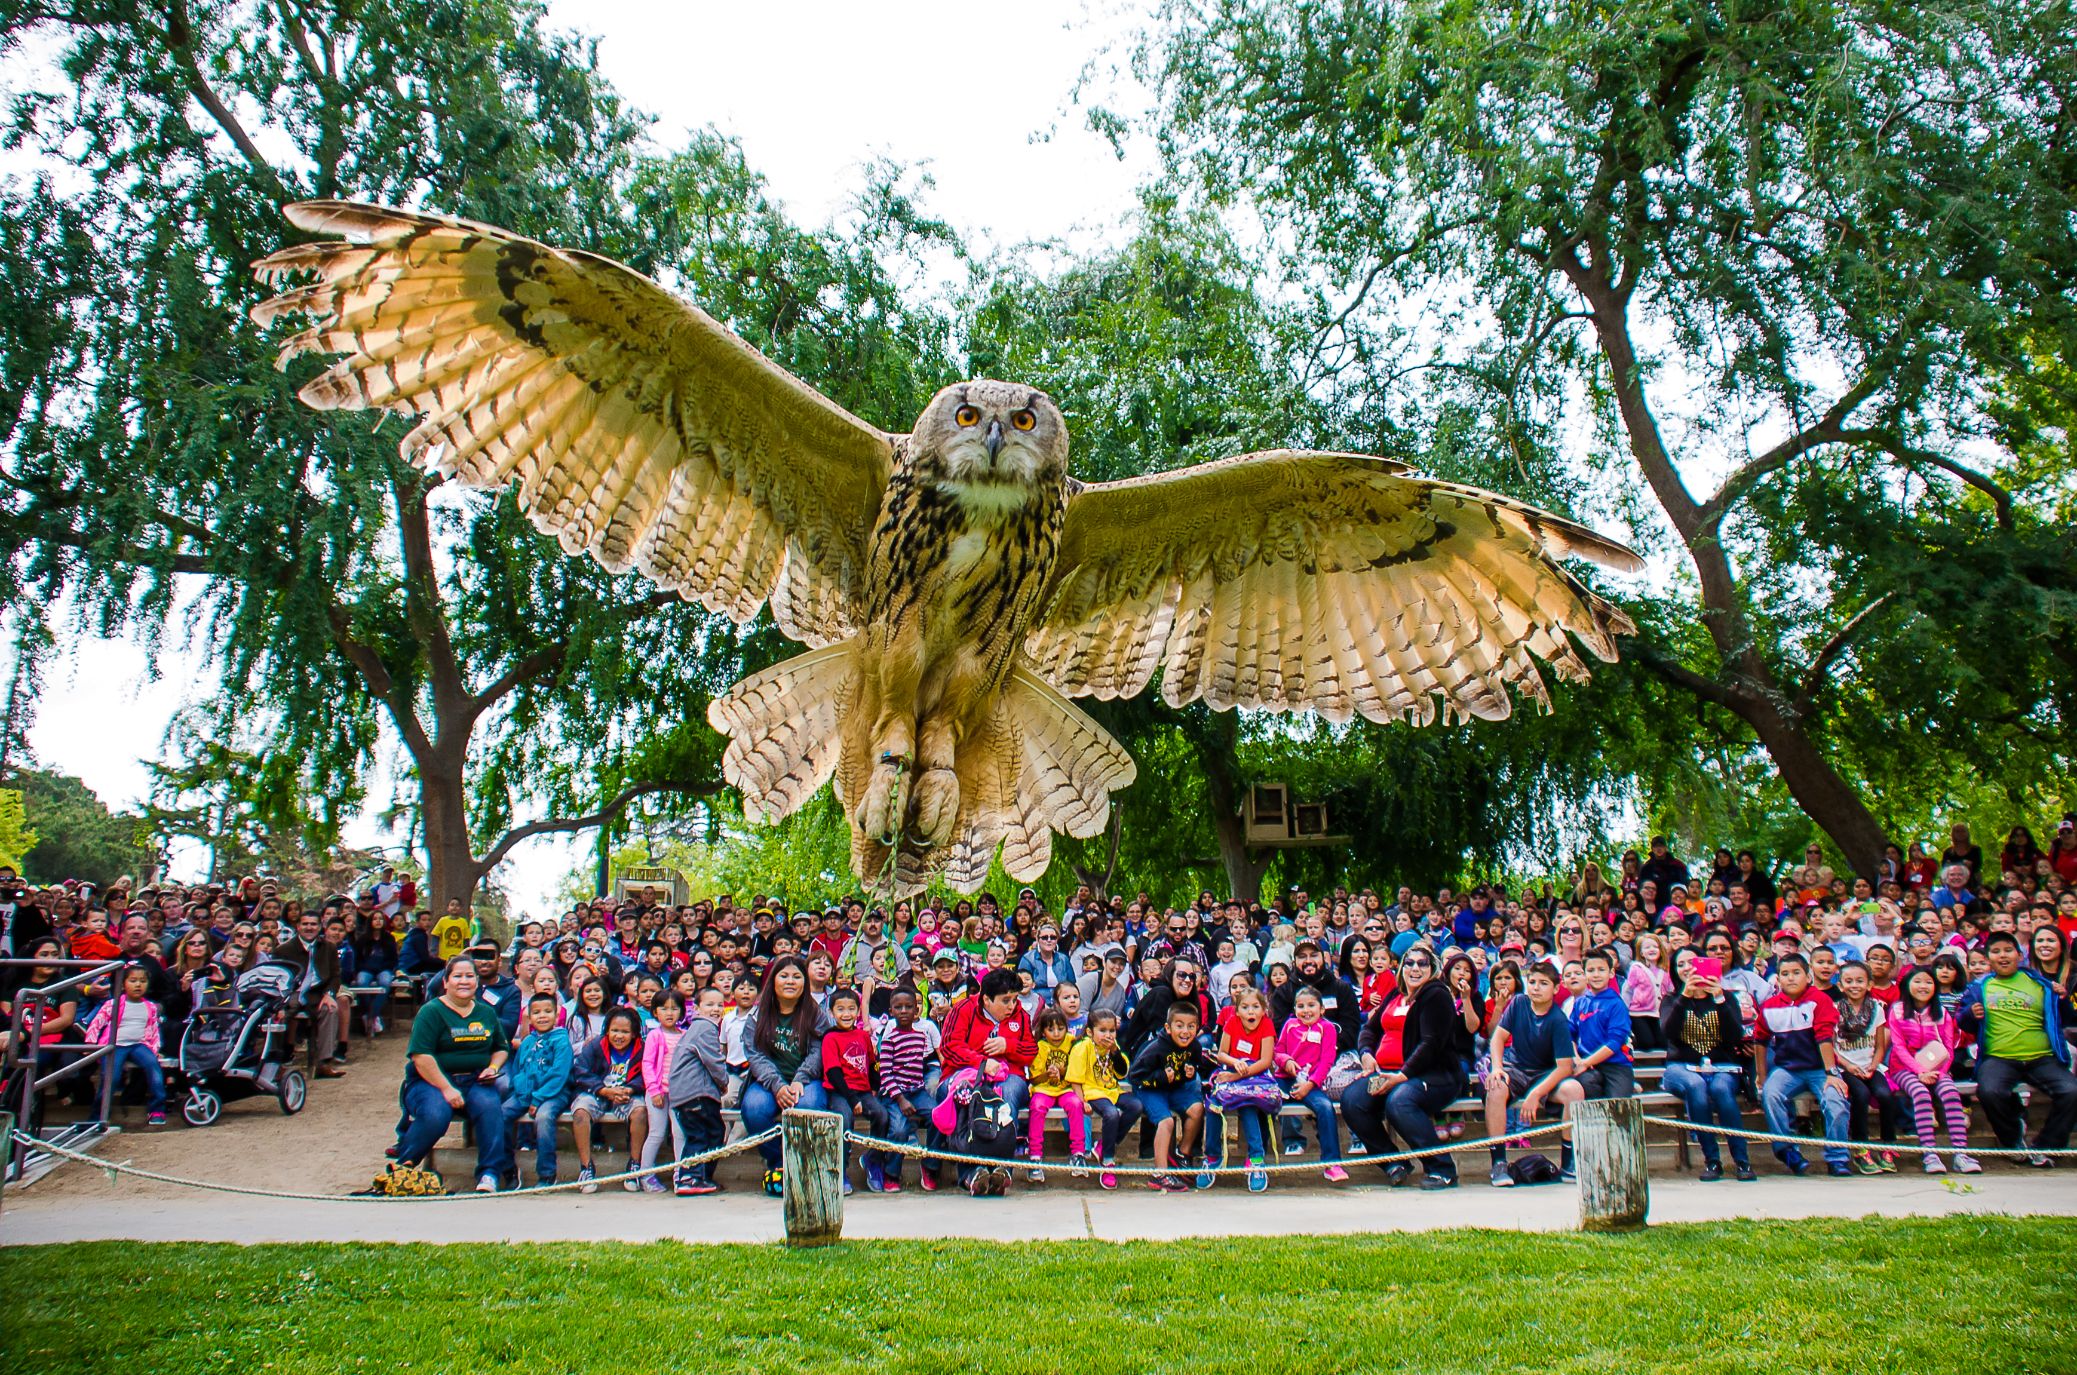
(1051, 1087)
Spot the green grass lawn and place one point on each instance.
(1977, 1294)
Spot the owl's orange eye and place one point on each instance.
(967, 415)
(1023, 420)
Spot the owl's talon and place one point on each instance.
(878, 810)
(937, 807)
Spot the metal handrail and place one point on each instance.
(18, 960)
(34, 998)
(99, 1052)
(82, 978)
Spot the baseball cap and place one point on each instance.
(944, 957)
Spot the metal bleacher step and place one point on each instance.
(34, 1163)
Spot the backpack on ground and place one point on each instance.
(1533, 1169)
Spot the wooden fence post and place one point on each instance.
(1608, 1140)
(812, 1146)
(6, 1147)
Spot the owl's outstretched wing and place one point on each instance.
(1325, 582)
(636, 427)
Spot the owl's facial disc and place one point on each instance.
(997, 441)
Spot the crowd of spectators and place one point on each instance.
(1882, 1001)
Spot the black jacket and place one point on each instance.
(1434, 1037)
(1342, 1002)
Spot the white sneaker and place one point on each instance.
(1935, 1165)
(487, 1184)
(1035, 1175)
(1078, 1164)
(1967, 1164)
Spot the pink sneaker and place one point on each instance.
(1335, 1174)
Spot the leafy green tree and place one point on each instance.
(16, 839)
(147, 443)
(76, 835)
(1787, 244)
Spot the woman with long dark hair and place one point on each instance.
(458, 1046)
(1429, 1078)
(782, 1041)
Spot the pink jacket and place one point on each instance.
(1306, 1051)
(656, 1058)
(1645, 987)
(1907, 1035)
(101, 1030)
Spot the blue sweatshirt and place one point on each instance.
(1601, 1019)
(540, 1068)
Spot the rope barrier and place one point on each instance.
(916, 1152)
(1820, 1142)
(912, 1150)
(114, 1168)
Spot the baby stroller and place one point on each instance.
(237, 1045)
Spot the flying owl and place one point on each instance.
(956, 586)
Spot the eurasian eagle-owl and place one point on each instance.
(956, 586)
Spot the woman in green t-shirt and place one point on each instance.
(458, 1045)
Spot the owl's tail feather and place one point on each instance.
(784, 728)
(1037, 764)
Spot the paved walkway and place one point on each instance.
(1060, 1212)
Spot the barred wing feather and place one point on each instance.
(1326, 582)
(635, 427)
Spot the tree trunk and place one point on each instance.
(1825, 797)
(451, 865)
(1745, 685)
(1244, 867)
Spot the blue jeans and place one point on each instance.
(1711, 1098)
(1251, 1132)
(761, 1112)
(1117, 1119)
(544, 1136)
(430, 1118)
(1782, 1086)
(147, 1065)
(374, 978)
(1322, 1108)
(911, 1126)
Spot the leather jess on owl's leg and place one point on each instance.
(936, 807)
(886, 790)
(897, 669)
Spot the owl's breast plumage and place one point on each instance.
(961, 574)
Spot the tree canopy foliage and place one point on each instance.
(1786, 290)
(153, 454)
(1821, 253)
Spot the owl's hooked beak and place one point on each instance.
(994, 441)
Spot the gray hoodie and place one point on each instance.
(697, 1069)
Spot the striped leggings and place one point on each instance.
(1922, 1111)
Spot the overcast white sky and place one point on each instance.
(961, 89)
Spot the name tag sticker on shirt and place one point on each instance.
(1313, 1037)
(1330, 1003)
